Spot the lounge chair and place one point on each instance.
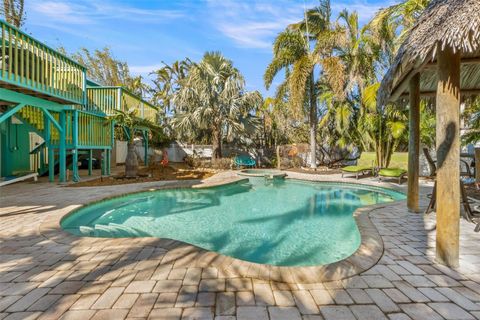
(399, 163)
(465, 169)
(470, 214)
(244, 161)
(365, 164)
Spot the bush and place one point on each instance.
(222, 163)
(192, 161)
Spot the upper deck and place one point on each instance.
(109, 99)
(31, 67)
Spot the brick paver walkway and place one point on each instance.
(42, 279)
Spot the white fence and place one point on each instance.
(178, 151)
(121, 151)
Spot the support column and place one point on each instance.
(477, 165)
(414, 144)
(51, 154)
(75, 175)
(104, 162)
(90, 166)
(62, 153)
(109, 159)
(448, 157)
(145, 142)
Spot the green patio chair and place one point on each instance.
(365, 164)
(244, 161)
(398, 167)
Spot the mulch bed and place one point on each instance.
(149, 174)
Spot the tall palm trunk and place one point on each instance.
(313, 123)
(216, 143)
(131, 162)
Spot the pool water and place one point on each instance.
(277, 222)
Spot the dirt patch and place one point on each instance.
(150, 174)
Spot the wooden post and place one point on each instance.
(75, 175)
(414, 144)
(51, 155)
(279, 159)
(109, 161)
(145, 142)
(477, 165)
(448, 157)
(90, 166)
(104, 162)
(62, 153)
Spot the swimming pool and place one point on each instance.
(277, 222)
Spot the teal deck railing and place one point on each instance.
(109, 99)
(27, 65)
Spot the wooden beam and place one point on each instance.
(414, 144)
(16, 97)
(430, 93)
(11, 112)
(463, 61)
(404, 82)
(448, 157)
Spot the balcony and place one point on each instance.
(29, 66)
(109, 99)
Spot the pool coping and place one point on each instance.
(365, 257)
(274, 173)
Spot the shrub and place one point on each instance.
(192, 161)
(222, 163)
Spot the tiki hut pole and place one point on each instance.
(448, 156)
(442, 53)
(414, 144)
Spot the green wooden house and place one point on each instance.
(50, 113)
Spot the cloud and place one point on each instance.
(366, 10)
(252, 24)
(145, 69)
(89, 12)
(61, 11)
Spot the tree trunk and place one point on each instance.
(313, 124)
(216, 144)
(131, 162)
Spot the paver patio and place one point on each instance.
(44, 278)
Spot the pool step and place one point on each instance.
(124, 230)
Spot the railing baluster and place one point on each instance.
(16, 56)
(27, 64)
(37, 67)
(4, 58)
(10, 55)
(22, 60)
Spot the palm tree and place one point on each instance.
(168, 81)
(382, 130)
(300, 50)
(392, 24)
(14, 12)
(353, 70)
(213, 98)
(130, 123)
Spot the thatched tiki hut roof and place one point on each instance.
(440, 58)
(446, 22)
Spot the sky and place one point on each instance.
(146, 32)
